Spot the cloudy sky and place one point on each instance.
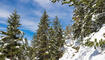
(31, 11)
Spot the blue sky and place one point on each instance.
(31, 11)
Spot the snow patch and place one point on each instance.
(85, 53)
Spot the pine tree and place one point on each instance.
(58, 37)
(42, 37)
(2, 57)
(34, 49)
(30, 53)
(52, 45)
(12, 38)
(34, 41)
(24, 50)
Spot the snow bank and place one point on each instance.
(99, 57)
(85, 53)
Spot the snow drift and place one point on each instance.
(84, 52)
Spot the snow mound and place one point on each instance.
(86, 53)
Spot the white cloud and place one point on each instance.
(4, 13)
(38, 13)
(29, 25)
(43, 3)
(53, 9)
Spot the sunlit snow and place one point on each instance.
(85, 53)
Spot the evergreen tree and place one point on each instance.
(2, 57)
(30, 53)
(24, 50)
(34, 44)
(59, 38)
(43, 38)
(12, 38)
(52, 44)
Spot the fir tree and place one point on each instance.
(58, 37)
(24, 50)
(34, 41)
(12, 38)
(53, 49)
(2, 56)
(34, 49)
(42, 37)
(30, 53)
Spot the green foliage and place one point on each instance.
(11, 48)
(83, 14)
(42, 37)
(56, 40)
(102, 43)
(58, 32)
(47, 44)
(34, 49)
(24, 50)
(89, 43)
(2, 57)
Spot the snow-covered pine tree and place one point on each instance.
(42, 37)
(12, 40)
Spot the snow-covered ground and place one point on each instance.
(85, 53)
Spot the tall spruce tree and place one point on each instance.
(12, 38)
(59, 38)
(43, 38)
